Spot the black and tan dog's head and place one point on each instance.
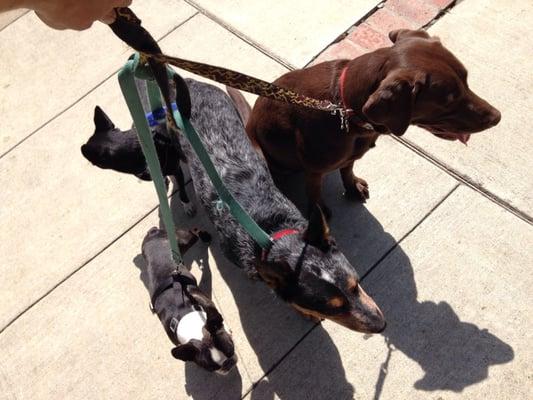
(200, 333)
(112, 148)
(308, 271)
(421, 82)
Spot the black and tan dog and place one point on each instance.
(190, 318)
(303, 266)
(111, 148)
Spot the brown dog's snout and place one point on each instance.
(493, 117)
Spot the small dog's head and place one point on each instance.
(209, 345)
(215, 351)
(111, 148)
(309, 272)
(423, 83)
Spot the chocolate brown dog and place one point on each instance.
(416, 81)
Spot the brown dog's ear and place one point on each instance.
(185, 352)
(392, 103)
(398, 34)
(317, 233)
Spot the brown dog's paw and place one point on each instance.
(359, 191)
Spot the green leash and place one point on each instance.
(126, 77)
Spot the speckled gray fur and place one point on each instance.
(243, 171)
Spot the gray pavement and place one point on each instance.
(443, 243)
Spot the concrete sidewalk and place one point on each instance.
(443, 244)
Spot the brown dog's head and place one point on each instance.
(426, 85)
(308, 271)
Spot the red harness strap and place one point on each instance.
(276, 236)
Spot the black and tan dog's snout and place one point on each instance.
(365, 315)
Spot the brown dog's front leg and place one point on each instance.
(356, 188)
(313, 184)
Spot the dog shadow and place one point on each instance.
(453, 354)
(199, 384)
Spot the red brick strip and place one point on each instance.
(372, 33)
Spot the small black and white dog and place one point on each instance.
(190, 318)
(112, 148)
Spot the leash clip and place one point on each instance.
(343, 114)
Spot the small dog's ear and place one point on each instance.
(102, 121)
(185, 352)
(398, 34)
(317, 233)
(392, 103)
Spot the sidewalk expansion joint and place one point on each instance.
(273, 367)
(343, 35)
(76, 101)
(15, 20)
(85, 263)
(397, 244)
(241, 35)
(467, 181)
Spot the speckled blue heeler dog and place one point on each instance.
(303, 266)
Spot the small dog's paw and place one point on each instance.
(359, 191)
(189, 209)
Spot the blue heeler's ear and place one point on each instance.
(102, 122)
(317, 233)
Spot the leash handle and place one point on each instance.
(126, 78)
(127, 26)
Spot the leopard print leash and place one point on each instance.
(127, 26)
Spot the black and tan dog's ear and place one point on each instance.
(186, 352)
(392, 103)
(317, 233)
(102, 122)
(399, 34)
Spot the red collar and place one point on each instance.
(342, 78)
(277, 236)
